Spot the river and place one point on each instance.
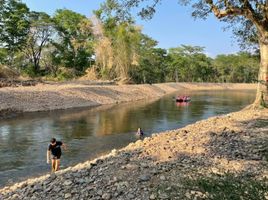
(90, 132)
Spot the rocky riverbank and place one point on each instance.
(45, 97)
(17, 83)
(223, 157)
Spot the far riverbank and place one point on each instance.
(46, 97)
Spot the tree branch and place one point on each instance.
(245, 10)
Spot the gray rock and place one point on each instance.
(57, 189)
(52, 176)
(163, 196)
(99, 192)
(152, 196)
(68, 182)
(106, 196)
(67, 195)
(130, 196)
(144, 177)
(162, 177)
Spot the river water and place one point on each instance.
(90, 132)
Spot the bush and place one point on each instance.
(6, 72)
(65, 74)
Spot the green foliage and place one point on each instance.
(188, 63)
(29, 70)
(123, 39)
(65, 74)
(65, 45)
(230, 187)
(3, 55)
(242, 67)
(152, 66)
(41, 31)
(14, 26)
(74, 44)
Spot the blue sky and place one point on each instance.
(171, 26)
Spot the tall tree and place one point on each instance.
(253, 13)
(41, 31)
(152, 66)
(123, 39)
(74, 43)
(14, 26)
(189, 63)
(241, 67)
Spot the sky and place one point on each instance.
(171, 26)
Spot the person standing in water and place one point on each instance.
(140, 132)
(54, 153)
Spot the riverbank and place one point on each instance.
(223, 157)
(46, 97)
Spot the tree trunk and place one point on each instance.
(176, 76)
(36, 66)
(262, 89)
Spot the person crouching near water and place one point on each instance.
(139, 132)
(54, 152)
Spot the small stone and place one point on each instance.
(130, 196)
(163, 196)
(144, 177)
(106, 196)
(163, 178)
(99, 192)
(68, 182)
(188, 195)
(144, 165)
(52, 176)
(152, 196)
(57, 189)
(68, 195)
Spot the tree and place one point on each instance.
(14, 26)
(251, 13)
(189, 63)
(122, 39)
(241, 67)
(74, 43)
(125, 49)
(41, 30)
(152, 66)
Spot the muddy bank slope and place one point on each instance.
(223, 157)
(45, 97)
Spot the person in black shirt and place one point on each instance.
(54, 152)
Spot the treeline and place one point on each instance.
(68, 45)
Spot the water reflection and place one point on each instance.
(91, 132)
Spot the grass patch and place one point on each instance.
(261, 123)
(230, 187)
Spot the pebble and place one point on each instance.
(68, 195)
(163, 178)
(152, 196)
(106, 196)
(68, 182)
(144, 177)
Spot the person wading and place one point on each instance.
(54, 152)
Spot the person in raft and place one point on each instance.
(139, 132)
(54, 152)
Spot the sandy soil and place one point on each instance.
(45, 97)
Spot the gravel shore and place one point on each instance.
(223, 157)
(46, 97)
